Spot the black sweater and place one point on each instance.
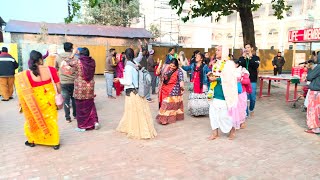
(251, 65)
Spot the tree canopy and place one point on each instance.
(108, 12)
(206, 8)
(104, 12)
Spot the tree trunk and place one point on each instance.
(247, 24)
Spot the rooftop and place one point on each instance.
(15, 26)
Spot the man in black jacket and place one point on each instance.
(277, 63)
(7, 70)
(251, 63)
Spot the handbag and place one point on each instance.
(58, 98)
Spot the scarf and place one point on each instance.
(201, 73)
(88, 67)
(167, 76)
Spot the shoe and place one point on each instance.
(149, 100)
(68, 120)
(29, 144)
(4, 99)
(80, 130)
(11, 97)
(111, 97)
(251, 113)
(96, 126)
(56, 147)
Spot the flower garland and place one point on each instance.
(215, 70)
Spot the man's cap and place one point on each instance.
(151, 52)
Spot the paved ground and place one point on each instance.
(273, 146)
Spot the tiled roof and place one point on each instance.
(15, 26)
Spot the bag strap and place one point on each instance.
(54, 84)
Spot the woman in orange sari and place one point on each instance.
(170, 94)
(36, 95)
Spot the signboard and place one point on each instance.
(299, 58)
(304, 35)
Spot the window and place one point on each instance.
(273, 32)
(241, 35)
(229, 36)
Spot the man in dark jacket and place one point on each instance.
(151, 68)
(7, 70)
(277, 63)
(251, 62)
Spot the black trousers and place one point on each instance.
(277, 70)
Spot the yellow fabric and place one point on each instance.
(39, 109)
(137, 121)
(50, 61)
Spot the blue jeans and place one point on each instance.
(109, 82)
(252, 97)
(67, 93)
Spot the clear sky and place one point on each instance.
(53, 11)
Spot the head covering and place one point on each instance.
(229, 79)
(88, 67)
(151, 52)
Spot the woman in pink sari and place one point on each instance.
(119, 72)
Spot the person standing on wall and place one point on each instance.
(111, 64)
(277, 63)
(7, 70)
(251, 62)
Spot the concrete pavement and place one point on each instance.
(273, 146)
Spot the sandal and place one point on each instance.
(29, 144)
(56, 147)
(310, 131)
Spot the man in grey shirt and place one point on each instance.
(67, 76)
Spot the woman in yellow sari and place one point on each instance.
(36, 95)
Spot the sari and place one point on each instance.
(86, 111)
(313, 110)
(39, 109)
(170, 99)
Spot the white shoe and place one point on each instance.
(96, 126)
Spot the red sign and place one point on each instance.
(304, 35)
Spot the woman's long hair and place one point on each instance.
(35, 58)
(200, 69)
(129, 54)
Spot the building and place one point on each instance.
(55, 33)
(39, 36)
(2, 23)
(270, 33)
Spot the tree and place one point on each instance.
(205, 8)
(108, 12)
(74, 8)
(155, 31)
(104, 12)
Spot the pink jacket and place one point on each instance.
(246, 85)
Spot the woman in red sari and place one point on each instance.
(170, 94)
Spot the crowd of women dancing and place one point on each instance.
(220, 87)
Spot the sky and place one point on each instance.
(51, 11)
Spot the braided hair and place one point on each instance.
(35, 57)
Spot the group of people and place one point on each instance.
(232, 84)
